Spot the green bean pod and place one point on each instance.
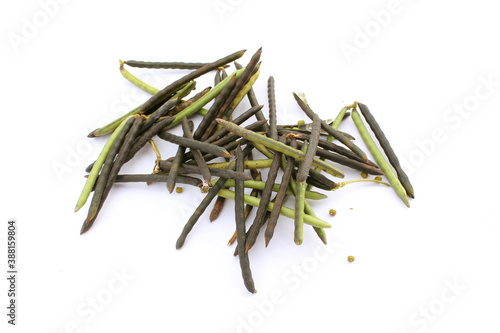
(386, 146)
(285, 211)
(294, 188)
(137, 82)
(89, 185)
(377, 155)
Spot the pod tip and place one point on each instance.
(84, 228)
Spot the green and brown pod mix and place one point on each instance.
(299, 162)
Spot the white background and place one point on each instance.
(430, 268)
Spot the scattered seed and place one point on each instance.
(218, 134)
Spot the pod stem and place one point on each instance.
(136, 81)
(342, 184)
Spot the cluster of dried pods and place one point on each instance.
(299, 151)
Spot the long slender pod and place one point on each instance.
(239, 208)
(164, 65)
(265, 199)
(106, 169)
(302, 174)
(377, 155)
(253, 101)
(163, 95)
(285, 211)
(96, 168)
(307, 208)
(212, 193)
(280, 197)
(174, 169)
(336, 134)
(119, 161)
(278, 146)
(205, 172)
(386, 146)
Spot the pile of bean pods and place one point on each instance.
(298, 150)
